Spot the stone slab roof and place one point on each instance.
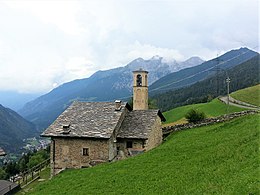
(86, 119)
(138, 124)
(7, 186)
(2, 152)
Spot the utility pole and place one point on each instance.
(217, 69)
(228, 81)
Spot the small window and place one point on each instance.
(129, 144)
(85, 152)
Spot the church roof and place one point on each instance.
(87, 119)
(138, 124)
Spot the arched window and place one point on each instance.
(139, 80)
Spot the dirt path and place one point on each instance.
(237, 103)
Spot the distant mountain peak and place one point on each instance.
(156, 57)
(137, 60)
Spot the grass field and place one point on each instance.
(217, 159)
(249, 95)
(211, 109)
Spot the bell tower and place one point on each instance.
(140, 90)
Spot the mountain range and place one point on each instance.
(101, 86)
(117, 83)
(189, 76)
(241, 76)
(13, 129)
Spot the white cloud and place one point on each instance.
(46, 43)
(63, 14)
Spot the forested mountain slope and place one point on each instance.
(13, 129)
(189, 76)
(244, 75)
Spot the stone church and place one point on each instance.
(88, 133)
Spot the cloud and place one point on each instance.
(132, 51)
(46, 43)
(62, 14)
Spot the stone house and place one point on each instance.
(87, 133)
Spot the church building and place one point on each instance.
(88, 133)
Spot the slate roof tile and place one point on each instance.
(138, 124)
(86, 119)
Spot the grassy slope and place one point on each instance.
(220, 159)
(45, 174)
(250, 95)
(211, 109)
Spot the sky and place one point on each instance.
(46, 43)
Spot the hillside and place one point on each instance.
(216, 159)
(189, 76)
(243, 75)
(211, 109)
(249, 95)
(101, 86)
(13, 129)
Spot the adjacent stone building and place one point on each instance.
(88, 133)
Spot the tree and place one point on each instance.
(195, 116)
(3, 174)
(35, 160)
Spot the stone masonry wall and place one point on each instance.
(69, 153)
(155, 137)
(208, 121)
(112, 144)
(137, 143)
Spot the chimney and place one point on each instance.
(66, 128)
(118, 104)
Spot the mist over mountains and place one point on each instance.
(16, 100)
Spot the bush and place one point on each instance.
(195, 116)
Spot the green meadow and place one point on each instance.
(211, 109)
(249, 95)
(216, 159)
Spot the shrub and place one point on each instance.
(195, 116)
